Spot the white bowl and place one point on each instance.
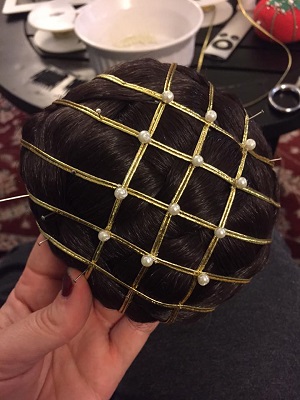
(123, 30)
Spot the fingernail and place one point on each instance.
(67, 285)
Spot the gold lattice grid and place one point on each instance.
(165, 99)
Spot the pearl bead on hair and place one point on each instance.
(167, 96)
(250, 144)
(144, 137)
(203, 279)
(211, 116)
(120, 193)
(197, 161)
(98, 111)
(220, 232)
(174, 209)
(241, 182)
(147, 261)
(103, 236)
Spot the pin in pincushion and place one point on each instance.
(281, 18)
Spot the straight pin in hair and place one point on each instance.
(255, 115)
(86, 273)
(43, 217)
(153, 101)
(276, 159)
(42, 241)
(79, 276)
(14, 198)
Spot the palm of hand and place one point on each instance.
(53, 347)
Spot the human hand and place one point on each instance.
(57, 344)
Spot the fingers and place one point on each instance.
(129, 337)
(107, 316)
(41, 279)
(29, 340)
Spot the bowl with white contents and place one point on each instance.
(122, 30)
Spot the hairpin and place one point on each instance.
(276, 159)
(86, 273)
(43, 217)
(42, 241)
(13, 198)
(257, 114)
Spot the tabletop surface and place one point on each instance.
(30, 78)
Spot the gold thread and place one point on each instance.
(230, 180)
(133, 132)
(60, 164)
(144, 197)
(210, 97)
(132, 246)
(112, 277)
(169, 77)
(188, 158)
(163, 228)
(131, 292)
(154, 251)
(207, 36)
(135, 248)
(223, 220)
(129, 175)
(178, 194)
(289, 55)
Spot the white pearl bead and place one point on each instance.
(103, 236)
(167, 96)
(147, 261)
(120, 193)
(144, 137)
(220, 232)
(203, 279)
(174, 209)
(250, 144)
(241, 182)
(98, 111)
(211, 116)
(197, 161)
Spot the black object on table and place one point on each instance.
(252, 70)
(32, 79)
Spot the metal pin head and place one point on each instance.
(43, 217)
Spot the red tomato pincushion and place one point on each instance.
(281, 18)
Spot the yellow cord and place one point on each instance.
(260, 28)
(269, 35)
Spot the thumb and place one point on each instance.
(29, 340)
